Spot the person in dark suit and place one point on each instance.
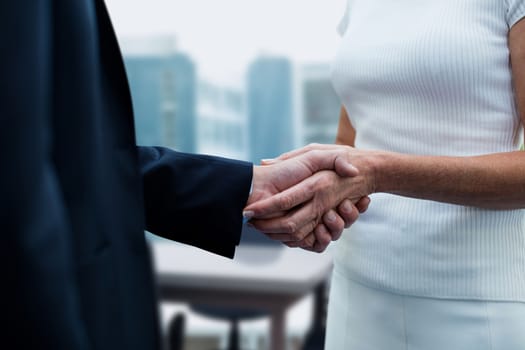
(76, 193)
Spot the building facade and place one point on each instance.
(318, 106)
(221, 127)
(163, 88)
(270, 107)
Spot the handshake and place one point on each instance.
(305, 198)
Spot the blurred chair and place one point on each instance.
(315, 337)
(249, 236)
(175, 334)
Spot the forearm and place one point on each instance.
(495, 181)
(194, 199)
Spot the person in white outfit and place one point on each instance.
(433, 96)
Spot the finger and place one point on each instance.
(296, 235)
(308, 148)
(292, 244)
(344, 168)
(294, 153)
(323, 237)
(348, 212)
(295, 221)
(282, 201)
(333, 225)
(319, 248)
(362, 204)
(334, 159)
(319, 157)
(307, 243)
(249, 215)
(270, 161)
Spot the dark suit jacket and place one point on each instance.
(76, 192)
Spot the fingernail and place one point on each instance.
(352, 167)
(331, 217)
(347, 207)
(268, 161)
(248, 214)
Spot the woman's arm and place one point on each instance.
(345, 130)
(517, 58)
(490, 181)
(494, 181)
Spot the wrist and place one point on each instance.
(373, 168)
(256, 179)
(384, 167)
(259, 183)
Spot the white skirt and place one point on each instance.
(364, 318)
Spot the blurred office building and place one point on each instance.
(270, 107)
(163, 85)
(317, 105)
(221, 125)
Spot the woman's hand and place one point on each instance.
(334, 220)
(332, 225)
(305, 205)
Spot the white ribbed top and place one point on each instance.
(433, 78)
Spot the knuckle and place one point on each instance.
(310, 187)
(285, 202)
(290, 227)
(321, 229)
(309, 241)
(297, 236)
(312, 225)
(318, 211)
(323, 182)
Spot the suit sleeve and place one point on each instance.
(40, 308)
(195, 199)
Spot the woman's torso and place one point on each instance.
(432, 78)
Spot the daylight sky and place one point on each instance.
(224, 35)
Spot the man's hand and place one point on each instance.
(274, 178)
(305, 204)
(306, 215)
(284, 173)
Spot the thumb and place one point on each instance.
(344, 168)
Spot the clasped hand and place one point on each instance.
(305, 198)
